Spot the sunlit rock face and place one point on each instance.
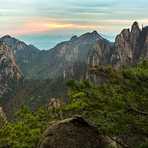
(10, 72)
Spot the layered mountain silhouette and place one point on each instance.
(68, 59)
(38, 64)
(89, 49)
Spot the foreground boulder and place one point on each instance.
(71, 133)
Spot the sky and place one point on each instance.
(67, 17)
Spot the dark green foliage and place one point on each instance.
(36, 93)
(25, 130)
(119, 108)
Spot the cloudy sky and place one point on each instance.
(66, 17)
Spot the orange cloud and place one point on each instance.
(40, 26)
(58, 25)
(55, 25)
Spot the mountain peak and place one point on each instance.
(73, 39)
(7, 36)
(135, 23)
(135, 26)
(8, 39)
(95, 32)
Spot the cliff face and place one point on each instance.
(99, 54)
(129, 46)
(10, 72)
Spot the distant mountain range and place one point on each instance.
(46, 42)
(40, 64)
(68, 59)
(110, 38)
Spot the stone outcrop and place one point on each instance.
(2, 114)
(53, 103)
(71, 133)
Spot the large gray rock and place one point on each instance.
(71, 133)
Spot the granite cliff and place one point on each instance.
(129, 47)
(10, 72)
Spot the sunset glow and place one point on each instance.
(70, 26)
(58, 25)
(68, 17)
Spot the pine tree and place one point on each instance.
(119, 108)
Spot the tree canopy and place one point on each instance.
(119, 108)
(25, 130)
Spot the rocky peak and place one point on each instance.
(8, 39)
(95, 33)
(125, 34)
(73, 39)
(135, 26)
(90, 38)
(17, 45)
(92, 34)
(53, 103)
(135, 32)
(98, 54)
(130, 46)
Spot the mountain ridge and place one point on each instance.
(129, 47)
(60, 56)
